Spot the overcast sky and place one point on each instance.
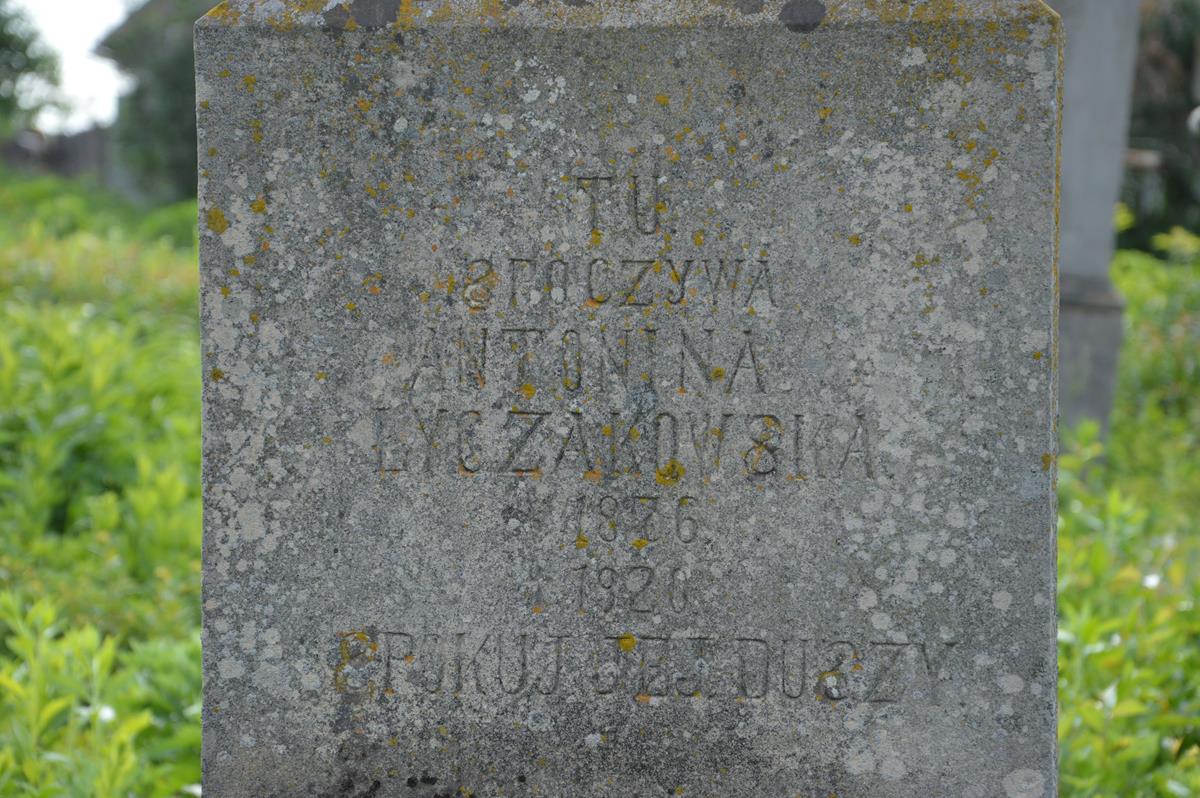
(90, 84)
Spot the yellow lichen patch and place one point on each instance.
(250, 82)
(217, 221)
(217, 375)
(405, 15)
(922, 260)
(389, 359)
(642, 698)
(581, 541)
(352, 306)
(717, 374)
(537, 609)
(1038, 355)
(855, 240)
(527, 390)
(663, 100)
(670, 474)
(1047, 461)
(908, 208)
(491, 8)
(641, 543)
(627, 642)
(327, 440)
(259, 205)
(597, 238)
(595, 475)
(825, 113)
(322, 376)
(365, 105)
(698, 238)
(225, 14)
(972, 179)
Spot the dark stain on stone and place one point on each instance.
(802, 16)
(369, 13)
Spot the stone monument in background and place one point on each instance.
(629, 397)
(1102, 39)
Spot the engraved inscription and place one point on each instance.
(390, 665)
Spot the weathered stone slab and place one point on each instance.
(629, 398)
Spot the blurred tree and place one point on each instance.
(23, 61)
(156, 123)
(1163, 182)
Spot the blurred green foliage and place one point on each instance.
(1164, 95)
(100, 516)
(1129, 552)
(99, 495)
(24, 62)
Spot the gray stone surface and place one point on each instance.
(629, 398)
(1101, 47)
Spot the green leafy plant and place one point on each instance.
(99, 495)
(1129, 555)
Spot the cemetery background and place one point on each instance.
(99, 506)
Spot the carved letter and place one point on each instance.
(635, 206)
(533, 422)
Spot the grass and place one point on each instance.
(100, 515)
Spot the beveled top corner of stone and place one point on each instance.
(801, 16)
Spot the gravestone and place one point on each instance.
(1102, 41)
(629, 398)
